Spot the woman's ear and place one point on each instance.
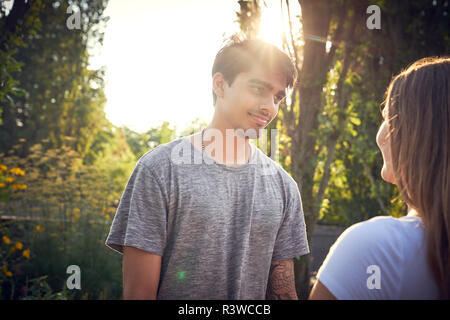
(219, 84)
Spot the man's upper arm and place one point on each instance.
(141, 272)
(281, 284)
(141, 218)
(291, 240)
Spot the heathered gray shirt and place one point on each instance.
(216, 227)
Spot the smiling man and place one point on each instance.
(227, 226)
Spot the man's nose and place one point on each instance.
(268, 106)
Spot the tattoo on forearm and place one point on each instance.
(281, 284)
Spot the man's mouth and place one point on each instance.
(259, 119)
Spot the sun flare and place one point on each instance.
(271, 25)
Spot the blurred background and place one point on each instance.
(87, 87)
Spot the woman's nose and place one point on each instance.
(381, 135)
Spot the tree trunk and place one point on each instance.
(316, 17)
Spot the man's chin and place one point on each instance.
(254, 133)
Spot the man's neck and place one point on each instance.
(231, 148)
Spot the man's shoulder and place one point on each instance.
(277, 169)
(160, 156)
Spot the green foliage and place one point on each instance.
(249, 17)
(41, 290)
(196, 126)
(76, 163)
(63, 215)
(112, 154)
(11, 39)
(355, 190)
(13, 254)
(61, 207)
(141, 143)
(61, 96)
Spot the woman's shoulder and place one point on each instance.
(383, 242)
(386, 229)
(381, 237)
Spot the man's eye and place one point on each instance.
(258, 89)
(278, 99)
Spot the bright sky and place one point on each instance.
(159, 54)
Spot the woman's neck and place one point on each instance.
(412, 212)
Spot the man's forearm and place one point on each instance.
(281, 284)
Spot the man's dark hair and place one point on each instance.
(239, 56)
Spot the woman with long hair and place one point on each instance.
(407, 257)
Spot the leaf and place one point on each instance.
(355, 121)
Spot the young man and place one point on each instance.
(227, 223)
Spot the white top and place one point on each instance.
(381, 258)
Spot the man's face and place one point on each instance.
(252, 100)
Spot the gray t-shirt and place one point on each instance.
(216, 227)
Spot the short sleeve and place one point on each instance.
(291, 239)
(141, 218)
(365, 262)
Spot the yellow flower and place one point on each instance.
(2, 185)
(9, 179)
(107, 216)
(5, 270)
(17, 171)
(39, 228)
(6, 239)
(19, 186)
(19, 245)
(287, 160)
(26, 253)
(3, 167)
(76, 210)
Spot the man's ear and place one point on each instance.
(219, 84)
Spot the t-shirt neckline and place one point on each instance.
(211, 162)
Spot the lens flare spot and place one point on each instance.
(181, 275)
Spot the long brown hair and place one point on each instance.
(418, 102)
